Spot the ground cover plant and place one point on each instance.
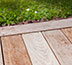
(18, 11)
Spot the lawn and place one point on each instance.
(17, 11)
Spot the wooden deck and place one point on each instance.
(47, 43)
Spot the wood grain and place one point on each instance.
(60, 45)
(35, 27)
(38, 49)
(1, 62)
(14, 51)
(68, 33)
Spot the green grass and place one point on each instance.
(15, 11)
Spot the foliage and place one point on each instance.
(15, 11)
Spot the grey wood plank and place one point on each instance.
(60, 45)
(38, 50)
(35, 27)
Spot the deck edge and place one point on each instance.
(35, 27)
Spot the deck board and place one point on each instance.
(14, 51)
(60, 45)
(45, 43)
(1, 61)
(35, 27)
(68, 33)
(38, 49)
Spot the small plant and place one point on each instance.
(16, 11)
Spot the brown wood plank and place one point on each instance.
(38, 49)
(35, 27)
(1, 61)
(60, 45)
(14, 51)
(68, 33)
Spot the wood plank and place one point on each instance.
(38, 49)
(68, 33)
(60, 45)
(35, 27)
(14, 51)
(1, 62)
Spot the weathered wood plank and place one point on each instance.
(14, 51)
(60, 45)
(38, 49)
(68, 33)
(18, 29)
(1, 61)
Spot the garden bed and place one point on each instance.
(33, 11)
